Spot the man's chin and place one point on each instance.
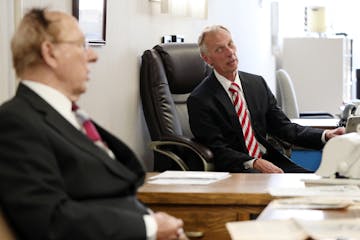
(233, 69)
(79, 92)
(233, 65)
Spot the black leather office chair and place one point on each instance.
(169, 72)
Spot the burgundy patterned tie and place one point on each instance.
(88, 126)
(242, 112)
(90, 129)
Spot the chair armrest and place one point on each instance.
(316, 115)
(282, 145)
(201, 151)
(187, 142)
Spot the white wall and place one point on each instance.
(7, 76)
(341, 16)
(134, 26)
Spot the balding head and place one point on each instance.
(37, 26)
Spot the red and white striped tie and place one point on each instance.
(242, 112)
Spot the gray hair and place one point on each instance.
(208, 29)
(34, 28)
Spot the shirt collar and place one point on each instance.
(226, 83)
(54, 98)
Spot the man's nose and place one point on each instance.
(91, 55)
(229, 50)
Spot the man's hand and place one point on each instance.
(265, 166)
(334, 132)
(169, 227)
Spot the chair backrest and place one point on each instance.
(286, 96)
(169, 72)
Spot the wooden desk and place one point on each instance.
(206, 208)
(326, 123)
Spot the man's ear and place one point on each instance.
(48, 54)
(206, 59)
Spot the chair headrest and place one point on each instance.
(184, 67)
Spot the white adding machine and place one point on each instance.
(341, 155)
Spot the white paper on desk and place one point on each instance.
(182, 181)
(333, 229)
(188, 177)
(332, 181)
(346, 191)
(191, 175)
(266, 230)
(313, 203)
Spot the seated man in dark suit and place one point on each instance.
(56, 182)
(233, 112)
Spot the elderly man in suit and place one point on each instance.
(56, 182)
(233, 112)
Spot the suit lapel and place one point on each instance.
(222, 97)
(79, 139)
(247, 91)
(251, 99)
(71, 134)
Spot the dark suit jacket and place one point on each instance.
(56, 184)
(214, 122)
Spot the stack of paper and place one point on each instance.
(345, 191)
(188, 177)
(266, 230)
(331, 181)
(295, 229)
(313, 203)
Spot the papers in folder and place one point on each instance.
(188, 177)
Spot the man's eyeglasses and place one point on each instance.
(84, 44)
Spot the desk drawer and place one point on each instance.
(206, 222)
